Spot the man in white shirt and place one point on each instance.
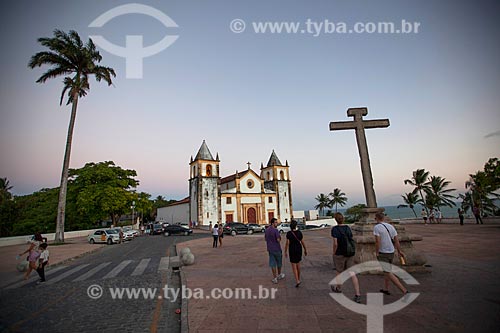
(385, 234)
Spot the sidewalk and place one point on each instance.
(462, 292)
(72, 248)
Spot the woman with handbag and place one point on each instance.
(33, 254)
(294, 244)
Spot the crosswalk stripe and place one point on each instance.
(36, 277)
(91, 272)
(141, 267)
(66, 274)
(117, 269)
(164, 263)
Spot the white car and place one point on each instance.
(134, 232)
(284, 227)
(108, 236)
(127, 234)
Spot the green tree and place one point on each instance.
(104, 189)
(419, 181)
(68, 56)
(337, 197)
(323, 202)
(437, 189)
(144, 205)
(354, 213)
(6, 208)
(492, 173)
(411, 199)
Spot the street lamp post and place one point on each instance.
(133, 207)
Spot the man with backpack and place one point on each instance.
(343, 254)
(386, 238)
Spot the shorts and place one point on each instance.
(342, 262)
(385, 259)
(275, 259)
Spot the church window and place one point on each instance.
(268, 175)
(250, 183)
(270, 199)
(206, 193)
(194, 171)
(228, 200)
(282, 175)
(209, 170)
(208, 215)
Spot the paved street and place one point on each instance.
(62, 304)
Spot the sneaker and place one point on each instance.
(357, 298)
(335, 289)
(275, 280)
(281, 276)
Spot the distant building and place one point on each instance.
(311, 215)
(244, 196)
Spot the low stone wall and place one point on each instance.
(6, 241)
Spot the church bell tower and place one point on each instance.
(277, 178)
(204, 187)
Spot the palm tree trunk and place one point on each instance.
(414, 213)
(61, 207)
(425, 203)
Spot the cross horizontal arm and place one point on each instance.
(344, 125)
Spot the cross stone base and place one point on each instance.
(365, 243)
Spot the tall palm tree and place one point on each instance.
(68, 56)
(481, 191)
(5, 188)
(337, 197)
(323, 202)
(438, 188)
(419, 181)
(411, 199)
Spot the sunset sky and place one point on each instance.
(249, 93)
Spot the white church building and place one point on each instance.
(245, 196)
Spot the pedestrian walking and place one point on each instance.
(220, 230)
(273, 239)
(386, 238)
(33, 254)
(43, 261)
(341, 235)
(461, 216)
(439, 216)
(424, 215)
(294, 245)
(215, 234)
(477, 214)
(431, 216)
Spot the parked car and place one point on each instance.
(127, 235)
(256, 227)
(134, 232)
(234, 228)
(108, 236)
(312, 226)
(156, 229)
(176, 230)
(284, 227)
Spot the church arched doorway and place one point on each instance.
(251, 215)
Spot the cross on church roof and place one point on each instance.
(359, 125)
(248, 163)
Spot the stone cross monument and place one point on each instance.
(359, 125)
(363, 229)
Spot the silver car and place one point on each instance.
(108, 236)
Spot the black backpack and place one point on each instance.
(350, 245)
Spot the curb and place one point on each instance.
(184, 301)
(184, 306)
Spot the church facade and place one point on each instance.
(245, 196)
